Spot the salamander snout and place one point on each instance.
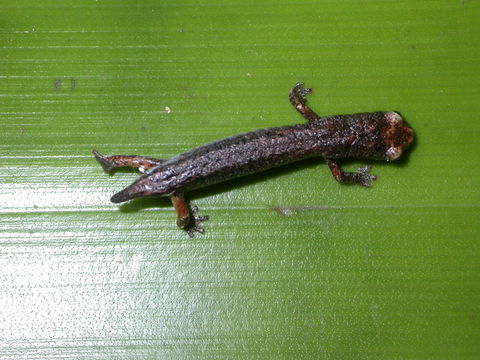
(396, 135)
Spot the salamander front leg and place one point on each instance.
(299, 102)
(138, 162)
(360, 177)
(187, 219)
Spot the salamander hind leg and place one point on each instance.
(141, 163)
(196, 220)
(187, 219)
(298, 100)
(360, 177)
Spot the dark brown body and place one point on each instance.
(334, 137)
(377, 135)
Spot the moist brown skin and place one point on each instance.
(373, 136)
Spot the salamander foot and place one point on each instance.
(363, 177)
(195, 221)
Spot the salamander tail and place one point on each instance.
(121, 197)
(142, 187)
(128, 193)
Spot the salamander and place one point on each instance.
(370, 136)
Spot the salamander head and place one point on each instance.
(396, 135)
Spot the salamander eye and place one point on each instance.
(393, 153)
(393, 118)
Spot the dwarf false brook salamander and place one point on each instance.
(375, 135)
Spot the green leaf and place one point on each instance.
(292, 265)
